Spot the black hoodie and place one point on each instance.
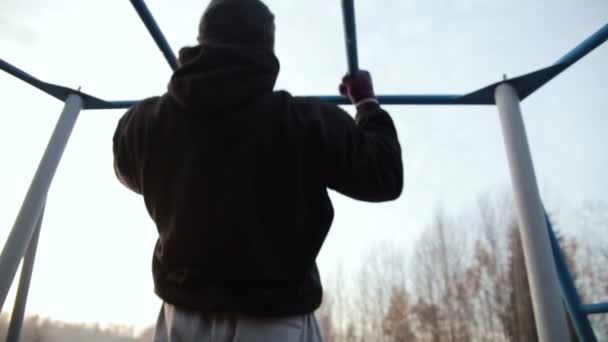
(235, 177)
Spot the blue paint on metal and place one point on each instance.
(56, 91)
(157, 34)
(599, 308)
(525, 84)
(408, 99)
(569, 293)
(350, 33)
(20, 74)
(121, 104)
(384, 99)
(585, 47)
(531, 82)
(59, 92)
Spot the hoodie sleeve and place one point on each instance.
(130, 144)
(362, 156)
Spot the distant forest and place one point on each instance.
(464, 280)
(39, 329)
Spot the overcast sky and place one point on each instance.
(97, 239)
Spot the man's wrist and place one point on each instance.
(365, 109)
(366, 101)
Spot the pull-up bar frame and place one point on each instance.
(525, 84)
(506, 94)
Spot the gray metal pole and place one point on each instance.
(33, 204)
(549, 311)
(14, 329)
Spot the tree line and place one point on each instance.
(465, 280)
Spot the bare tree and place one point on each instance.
(455, 293)
(488, 273)
(325, 318)
(382, 270)
(440, 279)
(427, 322)
(38, 329)
(521, 298)
(397, 324)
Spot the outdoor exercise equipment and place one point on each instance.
(548, 274)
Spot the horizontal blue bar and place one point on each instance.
(120, 104)
(350, 35)
(96, 103)
(152, 26)
(406, 100)
(525, 84)
(591, 309)
(383, 99)
(585, 47)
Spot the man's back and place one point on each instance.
(240, 197)
(235, 177)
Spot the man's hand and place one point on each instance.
(358, 87)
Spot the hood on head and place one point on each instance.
(216, 78)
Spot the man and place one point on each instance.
(235, 177)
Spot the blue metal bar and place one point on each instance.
(91, 102)
(409, 100)
(384, 99)
(600, 308)
(525, 85)
(20, 74)
(121, 104)
(585, 47)
(56, 91)
(157, 34)
(350, 33)
(59, 92)
(16, 323)
(569, 293)
(532, 84)
(484, 96)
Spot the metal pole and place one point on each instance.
(549, 311)
(33, 204)
(572, 300)
(594, 309)
(350, 35)
(588, 45)
(16, 323)
(148, 20)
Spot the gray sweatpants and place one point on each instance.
(176, 325)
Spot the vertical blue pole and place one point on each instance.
(350, 33)
(571, 298)
(148, 20)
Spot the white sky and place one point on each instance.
(94, 256)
